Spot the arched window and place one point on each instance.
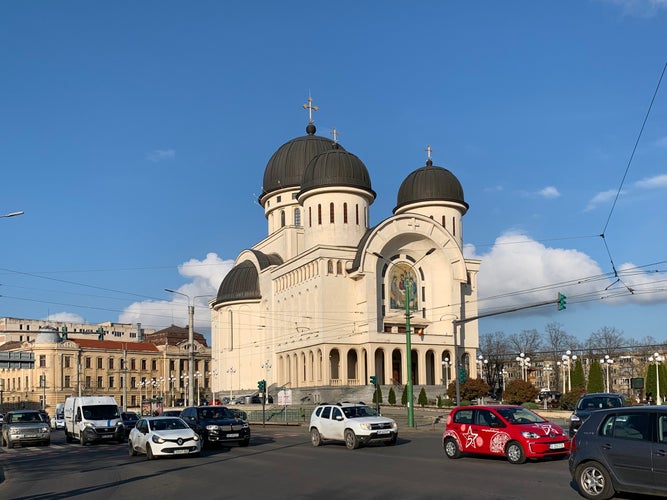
(310, 216)
(282, 218)
(344, 213)
(454, 226)
(356, 210)
(330, 267)
(297, 217)
(339, 267)
(331, 213)
(319, 214)
(443, 222)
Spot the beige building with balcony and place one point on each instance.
(43, 370)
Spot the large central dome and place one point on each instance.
(288, 164)
(430, 183)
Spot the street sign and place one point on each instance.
(285, 397)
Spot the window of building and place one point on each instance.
(154, 364)
(67, 381)
(133, 382)
(172, 365)
(143, 364)
(453, 226)
(111, 382)
(344, 213)
(27, 327)
(134, 400)
(329, 267)
(99, 382)
(99, 363)
(444, 220)
(297, 217)
(319, 214)
(339, 267)
(282, 218)
(331, 213)
(87, 362)
(87, 382)
(111, 363)
(133, 364)
(42, 360)
(278, 198)
(67, 361)
(356, 213)
(310, 217)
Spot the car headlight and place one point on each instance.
(246, 425)
(212, 427)
(157, 439)
(13, 430)
(531, 435)
(195, 437)
(394, 426)
(366, 427)
(44, 429)
(89, 424)
(119, 424)
(574, 418)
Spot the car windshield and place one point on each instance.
(17, 418)
(100, 412)
(215, 413)
(167, 424)
(359, 411)
(130, 416)
(598, 402)
(520, 415)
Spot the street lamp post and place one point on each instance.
(568, 358)
(197, 387)
(266, 366)
(524, 362)
(606, 361)
(214, 377)
(172, 379)
(445, 372)
(408, 339)
(231, 372)
(657, 359)
(504, 374)
(186, 382)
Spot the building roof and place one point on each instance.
(430, 183)
(336, 167)
(241, 283)
(287, 165)
(173, 335)
(112, 345)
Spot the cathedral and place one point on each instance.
(325, 300)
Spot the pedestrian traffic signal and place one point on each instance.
(561, 301)
(374, 380)
(261, 385)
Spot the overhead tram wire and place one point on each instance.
(625, 174)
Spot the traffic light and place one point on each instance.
(561, 301)
(261, 385)
(374, 380)
(463, 375)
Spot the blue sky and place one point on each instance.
(135, 136)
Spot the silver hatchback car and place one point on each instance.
(621, 449)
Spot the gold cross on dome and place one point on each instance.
(309, 106)
(335, 135)
(428, 151)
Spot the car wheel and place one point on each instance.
(515, 453)
(68, 437)
(452, 448)
(133, 452)
(593, 481)
(82, 440)
(149, 452)
(315, 437)
(351, 440)
(392, 441)
(4, 441)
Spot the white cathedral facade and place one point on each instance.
(321, 300)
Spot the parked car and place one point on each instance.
(590, 402)
(163, 436)
(171, 413)
(129, 419)
(514, 432)
(217, 425)
(25, 427)
(351, 423)
(621, 450)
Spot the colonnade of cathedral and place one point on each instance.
(350, 365)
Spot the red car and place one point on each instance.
(511, 431)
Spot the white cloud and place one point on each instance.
(600, 199)
(206, 277)
(549, 192)
(65, 317)
(161, 154)
(640, 8)
(658, 181)
(518, 271)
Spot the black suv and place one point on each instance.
(217, 424)
(591, 402)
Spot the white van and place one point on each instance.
(93, 418)
(58, 420)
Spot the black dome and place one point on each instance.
(288, 163)
(241, 283)
(336, 167)
(430, 183)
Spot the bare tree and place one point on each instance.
(556, 342)
(526, 341)
(494, 347)
(607, 340)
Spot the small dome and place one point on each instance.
(336, 167)
(241, 283)
(288, 163)
(47, 335)
(430, 183)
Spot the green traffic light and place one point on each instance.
(561, 301)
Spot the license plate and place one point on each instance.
(235, 435)
(107, 436)
(384, 431)
(556, 446)
(29, 435)
(180, 452)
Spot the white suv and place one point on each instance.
(353, 423)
